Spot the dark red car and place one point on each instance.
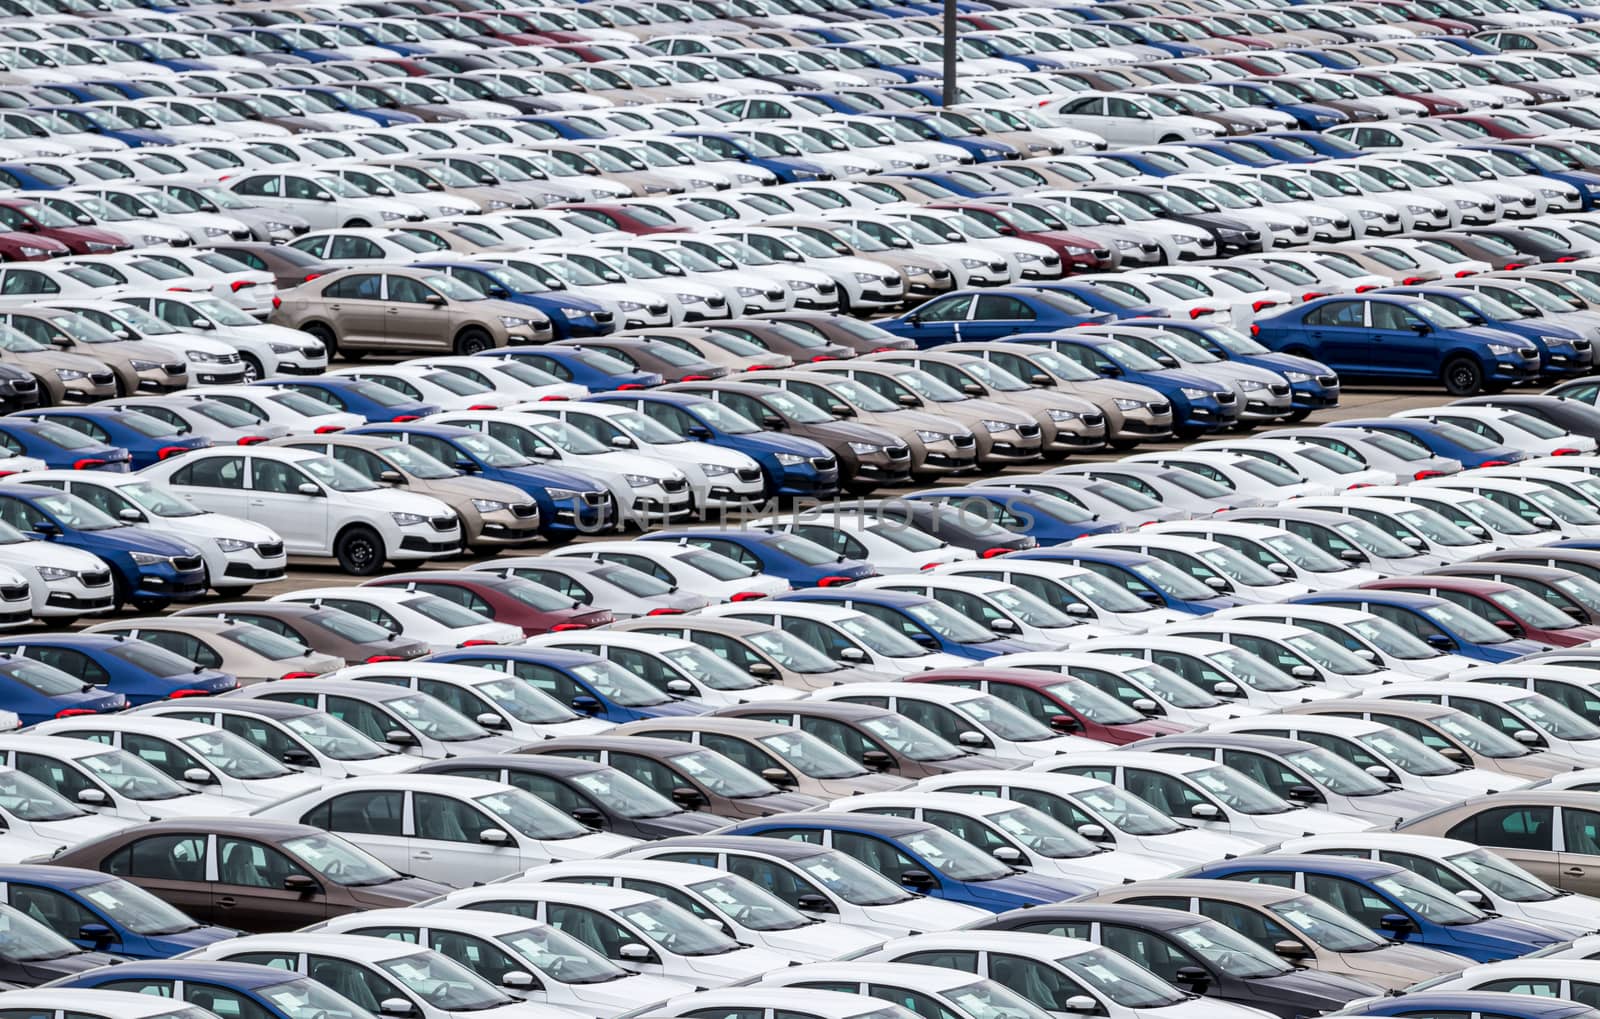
(1064, 703)
(1491, 126)
(16, 246)
(25, 216)
(1517, 612)
(1391, 84)
(492, 25)
(1078, 253)
(628, 218)
(535, 608)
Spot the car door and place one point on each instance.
(447, 837)
(373, 819)
(259, 888)
(996, 316)
(311, 202)
(1578, 864)
(175, 867)
(417, 315)
(1402, 344)
(278, 499)
(355, 308)
(1338, 335)
(1523, 834)
(941, 320)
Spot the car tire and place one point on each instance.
(1462, 376)
(1169, 139)
(472, 341)
(844, 301)
(323, 335)
(253, 372)
(45, 399)
(356, 224)
(359, 550)
(1299, 415)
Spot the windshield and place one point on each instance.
(1326, 926)
(333, 738)
(129, 776)
(134, 908)
(1328, 769)
(307, 999)
(561, 957)
(433, 719)
(1236, 791)
(1089, 702)
(1002, 719)
(749, 905)
(1230, 951)
(675, 929)
(27, 799)
(1501, 876)
(698, 663)
(1041, 833)
(986, 999)
(1125, 812)
(443, 983)
(533, 817)
(1406, 752)
(1553, 718)
(720, 775)
(233, 755)
(1428, 900)
(810, 756)
(952, 857)
(339, 861)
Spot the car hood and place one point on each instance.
(1397, 965)
(469, 487)
(623, 994)
(821, 941)
(1305, 821)
(926, 914)
(1331, 990)
(590, 847)
(44, 970)
(1024, 885)
(1399, 804)
(845, 431)
(73, 830)
(406, 891)
(687, 822)
(389, 764)
(668, 709)
(740, 965)
(194, 805)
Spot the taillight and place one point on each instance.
(1255, 330)
(1495, 463)
(375, 659)
(329, 429)
(665, 612)
(1263, 305)
(833, 581)
(1363, 288)
(75, 712)
(86, 463)
(1464, 273)
(300, 675)
(1566, 451)
(174, 695)
(483, 406)
(1567, 258)
(768, 367)
(823, 357)
(696, 378)
(1359, 484)
(1424, 475)
(167, 451)
(1311, 295)
(1411, 281)
(551, 399)
(401, 418)
(1516, 265)
(251, 440)
(239, 285)
(476, 642)
(927, 566)
(565, 627)
(629, 385)
(990, 553)
(277, 302)
(747, 596)
(311, 276)
(1197, 312)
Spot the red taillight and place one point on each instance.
(565, 627)
(1263, 305)
(86, 463)
(696, 378)
(770, 367)
(882, 350)
(1516, 265)
(990, 553)
(1567, 258)
(1197, 312)
(1464, 273)
(375, 659)
(1255, 330)
(476, 642)
(823, 357)
(300, 675)
(239, 285)
(928, 566)
(174, 695)
(1495, 463)
(665, 612)
(483, 406)
(1566, 451)
(277, 302)
(75, 712)
(1311, 295)
(552, 399)
(833, 581)
(1363, 288)
(747, 596)
(1411, 281)
(251, 440)
(1359, 484)
(1423, 475)
(329, 429)
(629, 385)
(311, 276)
(400, 418)
(167, 451)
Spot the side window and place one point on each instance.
(251, 864)
(162, 858)
(875, 853)
(1351, 897)
(212, 472)
(1253, 924)
(223, 1002)
(595, 929)
(1581, 828)
(774, 877)
(59, 912)
(447, 819)
(1344, 314)
(361, 813)
(1167, 794)
(1527, 828)
(161, 755)
(358, 983)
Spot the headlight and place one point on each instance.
(927, 436)
(573, 312)
(998, 426)
(973, 263)
(640, 480)
(790, 459)
(1417, 210)
(155, 238)
(748, 178)
(1557, 340)
(561, 494)
(512, 322)
(715, 470)
(99, 246)
(451, 210)
(140, 365)
(1185, 239)
(68, 374)
(1064, 415)
(1501, 349)
(55, 573)
(202, 357)
(1297, 376)
(28, 252)
(866, 277)
(1317, 220)
(273, 226)
(389, 216)
(495, 203)
(1126, 245)
(1195, 394)
(1026, 256)
(408, 519)
(749, 291)
(1547, 192)
(283, 348)
(629, 305)
(215, 231)
(864, 448)
(148, 559)
(1371, 214)
(800, 284)
(1124, 404)
(691, 299)
(232, 544)
(488, 505)
(1251, 385)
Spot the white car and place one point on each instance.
(427, 985)
(1101, 813)
(742, 910)
(1238, 472)
(266, 350)
(28, 280)
(441, 388)
(508, 376)
(489, 697)
(447, 828)
(1477, 875)
(1554, 513)
(303, 737)
(154, 204)
(891, 547)
(40, 822)
(254, 291)
(76, 209)
(48, 580)
(621, 590)
(548, 966)
(1530, 717)
(239, 554)
(1473, 513)
(1279, 551)
(439, 623)
(320, 507)
(998, 605)
(687, 567)
(862, 284)
(1208, 795)
(1219, 668)
(1073, 590)
(294, 411)
(209, 361)
(1315, 463)
(1363, 634)
(1508, 427)
(1126, 119)
(1216, 565)
(1144, 686)
(970, 719)
(109, 781)
(681, 668)
(846, 635)
(1421, 529)
(1304, 654)
(1383, 752)
(323, 200)
(634, 929)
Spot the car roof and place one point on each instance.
(362, 948)
(604, 897)
(1347, 865)
(1238, 891)
(881, 824)
(935, 979)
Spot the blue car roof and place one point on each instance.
(46, 413)
(413, 428)
(1483, 1001)
(236, 974)
(690, 533)
(1364, 870)
(543, 655)
(1399, 599)
(676, 399)
(1417, 423)
(85, 641)
(1110, 556)
(57, 877)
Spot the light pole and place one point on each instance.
(949, 52)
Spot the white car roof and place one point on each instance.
(1456, 688)
(1331, 724)
(379, 595)
(348, 946)
(1249, 627)
(832, 1004)
(935, 979)
(602, 897)
(1420, 845)
(464, 675)
(1188, 645)
(171, 728)
(653, 643)
(122, 1004)
(1176, 764)
(936, 692)
(664, 871)
(959, 803)
(1039, 946)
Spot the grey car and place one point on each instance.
(622, 590)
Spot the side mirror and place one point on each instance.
(1365, 655)
(971, 738)
(1041, 379)
(853, 654)
(1440, 642)
(1113, 220)
(1093, 832)
(1226, 689)
(400, 738)
(1542, 521)
(916, 879)
(1453, 754)
(1281, 569)
(681, 687)
(1111, 371)
(590, 816)
(877, 760)
(1145, 706)
(1003, 626)
(1471, 895)
(494, 837)
(1078, 608)
(1007, 854)
(698, 432)
(812, 902)
(130, 514)
(499, 293)
(518, 980)
(295, 755)
(1303, 672)
(1380, 772)
(305, 884)
(396, 1007)
(1292, 950)
(93, 797)
(908, 400)
(1080, 1003)
(1422, 328)
(761, 670)
(1193, 978)
(437, 300)
(688, 798)
(491, 720)
(1527, 737)
(1304, 794)
(1217, 583)
(622, 442)
(47, 528)
(309, 489)
(96, 933)
(1510, 626)
(586, 704)
(199, 776)
(1064, 723)
(1397, 924)
(779, 777)
(322, 196)
(1353, 555)
(1412, 541)
(392, 478)
(1205, 811)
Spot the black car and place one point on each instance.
(592, 793)
(951, 524)
(32, 954)
(881, 739)
(19, 390)
(1533, 247)
(1574, 413)
(1583, 561)
(1195, 953)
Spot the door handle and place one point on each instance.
(423, 854)
(1573, 872)
(226, 902)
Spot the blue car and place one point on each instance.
(240, 989)
(1392, 901)
(569, 501)
(346, 101)
(941, 865)
(148, 569)
(1268, 96)
(1442, 439)
(792, 465)
(135, 670)
(746, 149)
(146, 439)
(37, 693)
(1326, 145)
(1443, 625)
(800, 561)
(1047, 520)
(1554, 340)
(1312, 384)
(981, 315)
(1104, 300)
(590, 684)
(1541, 164)
(95, 120)
(353, 396)
(1389, 338)
(595, 371)
(1507, 1004)
(1147, 577)
(60, 447)
(103, 913)
(931, 623)
(1243, 155)
(570, 315)
(1199, 405)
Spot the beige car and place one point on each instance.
(711, 344)
(446, 180)
(394, 308)
(252, 654)
(789, 758)
(1299, 927)
(766, 652)
(1452, 732)
(1555, 834)
(87, 331)
(63, 378)
(591, 161)
(493, 515)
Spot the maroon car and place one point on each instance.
(1077, 252)
(534, 608)
(26, 216)
(16, 246)
(633, 219)
(1063, 702)
(1519, 613)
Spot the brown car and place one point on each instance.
(394, 308)
(90, 333)
(800, 345)
(881, 739)
(1303, 929)
(765, 652)
(328, 631)
(95, 379)
(672, 363)
(258, 876)
(290, 267)
(858, 336)
(1553, 833)
(868, 456)
(714, 784)
(711, 344)
(400, 465)
(1452, 732)
(253, 655)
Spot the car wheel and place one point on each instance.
(324, 336)
(356, 224)
(1300, 415)
(1462, 376)
(45, 399)
(1169, 139)
(359, 550)
(252, 368)
(473, 341)
(844, 301)
(119, 387)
